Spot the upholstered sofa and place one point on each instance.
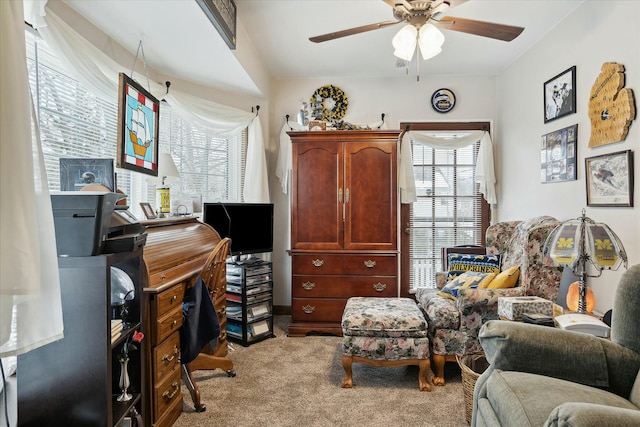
(454, 324)
(548, 376)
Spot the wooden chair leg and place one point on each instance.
(193, 389)
(438, 369)
(347, 381)
(422, 375)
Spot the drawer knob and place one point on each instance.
(308, 285)
(169, 358)
(174, 323)
(318, 262)
(168, 395)
(379, 287)
(308, 309)
(174, 298)
(369, 263)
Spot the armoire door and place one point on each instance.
(317, 208)
(370, 195)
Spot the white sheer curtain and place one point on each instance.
(95, 69)
(30, 302)
(485, 175)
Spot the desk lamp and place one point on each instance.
(166, 169)
(582, 242)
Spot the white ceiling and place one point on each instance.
(179, 40)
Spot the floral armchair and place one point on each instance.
(454, 324)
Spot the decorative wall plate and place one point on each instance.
(443, 100)
(611, 108)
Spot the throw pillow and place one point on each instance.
(506, 279)
(461, 263)
(468, 280)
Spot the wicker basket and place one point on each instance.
(471, 367)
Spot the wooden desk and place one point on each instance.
(174, 254)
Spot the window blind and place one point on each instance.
(75, 123)
(448, 211)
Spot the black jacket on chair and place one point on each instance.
(200, 324)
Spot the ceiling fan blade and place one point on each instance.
(479, 28)
(352, 31)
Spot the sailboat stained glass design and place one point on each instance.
(138, 118)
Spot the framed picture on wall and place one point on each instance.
(138, 120)
(559, 95)
(558, 154)
(610, 179)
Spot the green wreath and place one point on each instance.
(328, 94)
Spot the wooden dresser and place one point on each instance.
(175, 252)
(344, 226)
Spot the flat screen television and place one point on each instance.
(248, 225)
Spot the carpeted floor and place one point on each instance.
(287, 381)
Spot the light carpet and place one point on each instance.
(286, 381)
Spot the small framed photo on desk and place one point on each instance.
(148, 210)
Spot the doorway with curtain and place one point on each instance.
(449, 209)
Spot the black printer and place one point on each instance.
(90, 223)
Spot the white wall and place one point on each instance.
(597, 32)
(401, 99)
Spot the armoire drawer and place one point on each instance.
(317, 264)
(317, 310)
(308, 286)
(371, 265)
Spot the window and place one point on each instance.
(449, 210)
(74, 123)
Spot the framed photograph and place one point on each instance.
(222, 14)
(558, 154)
(559, 95)
(147, 210)
(76, 174)
(138, 119)
(610, 179)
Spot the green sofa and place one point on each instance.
(542, 376)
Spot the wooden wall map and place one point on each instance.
(611, 107)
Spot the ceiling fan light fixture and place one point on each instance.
(405, 42)
(430, 40)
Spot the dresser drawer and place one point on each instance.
(343, 286)
(166, 357)
(166, 393)
(168, 324)
(317, 264)
(371, 265)
(169, 299)
(317, 310)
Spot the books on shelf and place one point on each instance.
(116, 329)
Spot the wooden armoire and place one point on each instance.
(344, 223)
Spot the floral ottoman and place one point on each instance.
(384, 332)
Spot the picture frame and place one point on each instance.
(147, 210)
(609, 179)
(222, 14)
(78, 173)
(138, 124)
(558, 154)
(559, 95)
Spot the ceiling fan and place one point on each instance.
(419, 14)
